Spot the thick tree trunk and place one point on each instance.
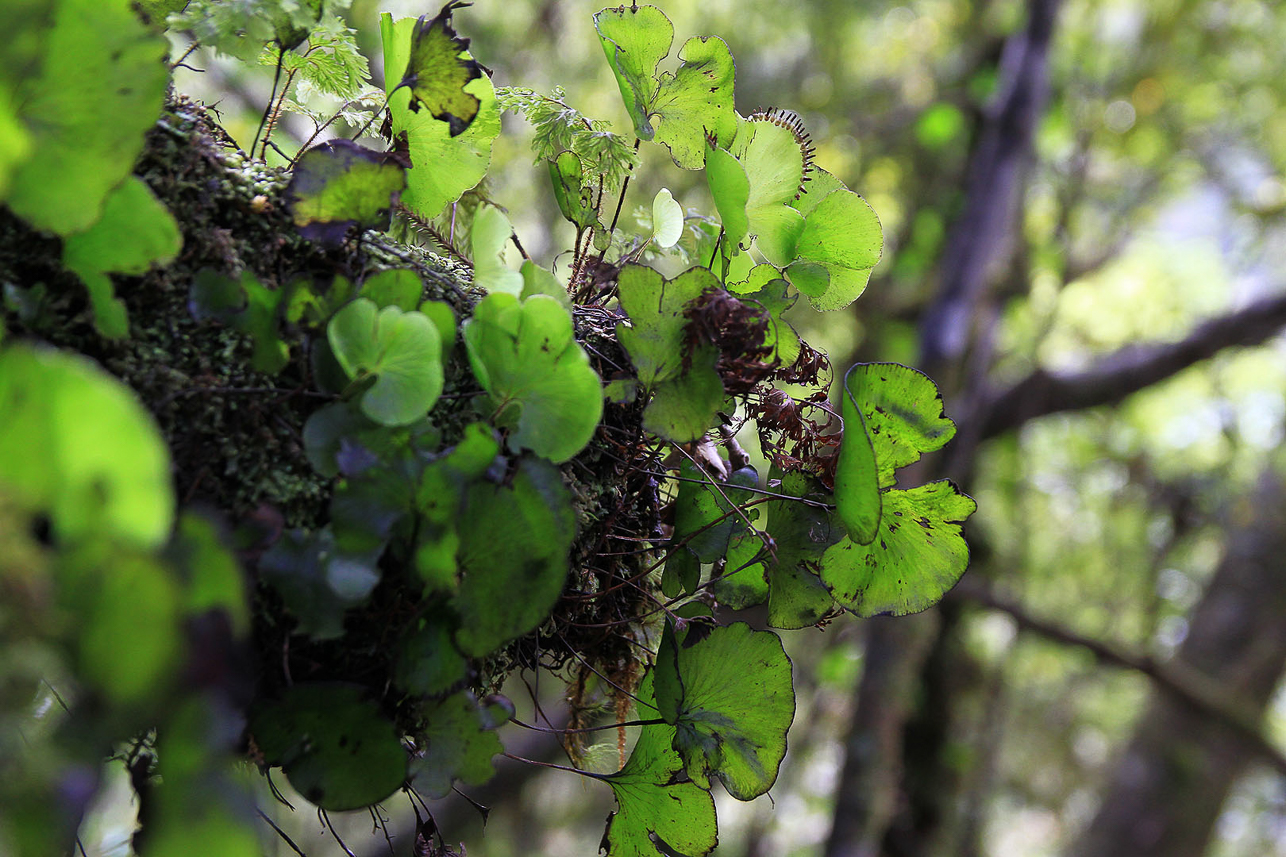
(1164, 796)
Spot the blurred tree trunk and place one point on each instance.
(1164, 796)
(895, 786)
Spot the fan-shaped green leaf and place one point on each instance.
(399, 287)
(440, 69)
(892, 415)
(696, 101)
(340, 185)
(134, 232)
(802, 529)
(686, 390)
(917, 554)
(438, 499)
(635, 40)
(729, 697)
(691, 103)
(730, 190)
(775, 161)
(336, 747)
(100, 88)
(524, 354)
(653, 800)
(490, 233)
(402, 351)
(538, 281)
(459, 741)
(443, 165)
(512, 578)
(77, 445)
(703, 516)
(428, 663)
(839, 244)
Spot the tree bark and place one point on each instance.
(1164, 796)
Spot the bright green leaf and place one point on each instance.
(525, 355)
(512, 577)
(399, 287)
(76, 443)
(213, 576)
(538, 281)
(839, 244)
(635, 40)
(443, 165)
(134, 232)
(101, 87)
(336, 747)
(775, 154)
(730, 190)
(916, 556)
(653, 800)
(490, 233)
(440, 69)
(696, 101)
(400, 348)
(340, 185)
(892, 415)
(667, 219)
(729, 697)
(685, 398)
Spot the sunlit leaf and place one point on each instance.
(838, 245)
(538, 281)
(689, 103)
(729, 697)
(654, 800)
(459, 742)
(335, 746)
(76, 444)
(730, 190)
(775, 160)
(135, 232)
(667, 219)
(892, 415)
(440, 68)
(917, 554)
(443, 165)
(340, 185)
(512, 577)
(399, 287)
(490, 233)
(524, 354)
(402, 351)
(100, 88)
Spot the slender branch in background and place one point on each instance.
(280, 832)
(272, 96)
(1128, 370)
(1201, 692)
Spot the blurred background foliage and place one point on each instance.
(1150, 201)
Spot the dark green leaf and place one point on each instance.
(439, 69)
(336, 748)
(340, 185)
(459, 741)
(428, 663)
(316, 582)
(801, 531)
(730, 699)
(575, 198)
(512, 577)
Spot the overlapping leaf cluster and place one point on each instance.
(453, 438)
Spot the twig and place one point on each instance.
(280, 832)
(1201, 692)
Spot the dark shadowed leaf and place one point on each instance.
(335, 746)
(459, 741)
(340, 185)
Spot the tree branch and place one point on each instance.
(1129, 370)
(1203, 693)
